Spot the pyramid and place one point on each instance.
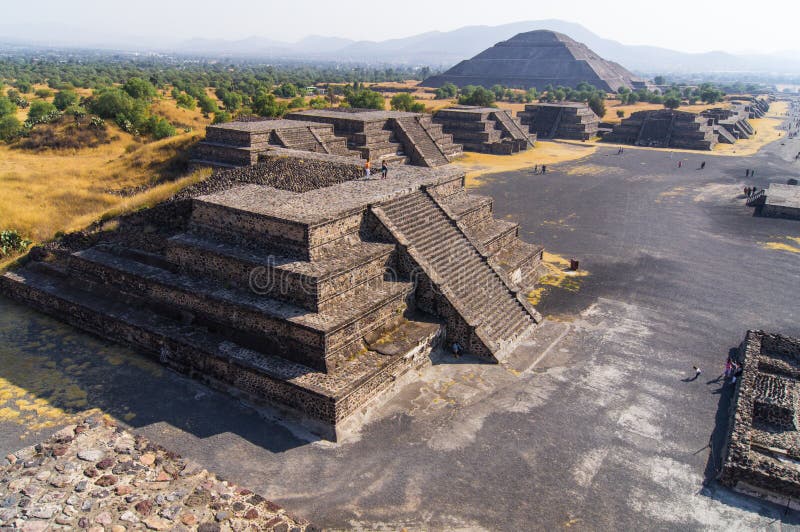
(537, 59)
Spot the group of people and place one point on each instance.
(537, 170)
(732, 370)
(368, 169)
(750, 191)
(749, 173)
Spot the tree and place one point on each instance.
(160, 128)
(10, 128)
(620, 113)
(231, 100)
(672, 101)
(476, 96)
(7, 107)
(139, 89)
(365, 99)
(186, 101)
(499, 91)
(43, 93)
(207, 104)
(222, 117)
(318, 103)
(65, 99)
(265, 104)
(659, 80)
(40, 109)
(111, 102)
(598, 105)
(23, 86)
(531, 94)
(297, 102)
(286, 90)
(405, 102)
(446, 91)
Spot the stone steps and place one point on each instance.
(450, 259)
(428, 153)
(467, 209)
(317, 399)
(493, 234)
(257, 321)
(318, 286)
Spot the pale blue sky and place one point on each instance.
(687, 25)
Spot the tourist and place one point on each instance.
(457, 349)
(702, 165)
(747, 173)
(544, 169)
(697, 372)
(384, 170)
(536, 169)
(747, 191)
(680, 163)
(366, 168)
(728, 368)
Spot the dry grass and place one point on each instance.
(612, 106)
(45, 192)
(178, 116)
(479, 165)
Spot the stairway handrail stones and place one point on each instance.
(419, 121)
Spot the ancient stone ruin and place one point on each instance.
(762, 452)
(731, 124)
(241, 143)
(566, 120)
(391, 136)
(294, 284)
(755, 106)
(665, 128)
(538, 59)
(96, 476)
(777, 201)
(484, 129)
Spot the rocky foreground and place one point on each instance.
(97, 476)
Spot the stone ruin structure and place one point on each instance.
(241, 143)
(731, 124)
(294, 284)
(762, 451)
(566, 120)
(665, 128)
(756, 107)
(391, 136)
(538, 59)
(484, 129)
(777, 201)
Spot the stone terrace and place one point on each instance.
(568, 120)
(310, 298)
(485, 129)
(778, 201)
(762, 455)
(391, 136)
(97, 476)
(666, 128)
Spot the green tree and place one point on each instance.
(265, 104)
(405, 102)
(231, 100)
(139, 89)
(40, 109)
(476, 96)
(446, 91)
(10, 128)
(659, 80)
(7, 107)
(531, 94)
(598, 105)
(186, 101)
(672, 101)
(23, 86)
(222, 117)
(620, 113)
(297, 102)
(286, 90)
(207, 104)
(43, 93)
(318, 103)
(65, 99)
(160, 128)
(365, 99)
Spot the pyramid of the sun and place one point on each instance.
(537, 59)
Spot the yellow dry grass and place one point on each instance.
(557, 275)
(178, 116)
(46, 192)
(768, 129)
(612, 106)
(790, 244)
(479, 165)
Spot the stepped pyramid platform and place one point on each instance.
(391, 136)
(240, 143)
(565, 120)
(538, 59)
(484, 129)
(311, 295)
(665, 128)
(777, 201)
(733, 121)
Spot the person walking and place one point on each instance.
(384, 170)
(366, 168)
(747, 173)
(680, 163)
(697, 372)
(536, 169)
(544, 169)
(702, 165)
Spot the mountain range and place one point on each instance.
(443, 49)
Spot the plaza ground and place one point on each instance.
(590, 425)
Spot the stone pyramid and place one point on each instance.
(537, 59)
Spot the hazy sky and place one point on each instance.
(687, 25)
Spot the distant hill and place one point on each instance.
(435, 48)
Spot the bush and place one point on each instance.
(43, 93)
(23, 86)
(598, 105)
(672, 101)
(10, 128)
(207, 104)
(221, 117)
(7, 107)
(365, 99)
(446, 91)
(160, 128)
(12, 242)
(318, 103)
(476, 96)
(265, 104)
(405, 102)
(111, 102)
(287, 90)
(139, 89)
(231, 100)
(186, 101)
(65, 98)
(40, 110)
(620, 114)
(297, 102)
(74, 136)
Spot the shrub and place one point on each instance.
(41, 110)
(43, 93)
(139, 89)
(207, 104)
(672, 101)
(287, 90)
(620, 114)
(186, 101)
(446, 91)
(7, 107)
(405, 102)
(231, 100)
(265, 104)
(221, 117)
(365, 99)
(598, 105)
(160, 128)
(10, 128)
(23, 86)
(74, 136)
(64, 99)
(297, 102)
(12, 242)
(476, 96)
(318, 103)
